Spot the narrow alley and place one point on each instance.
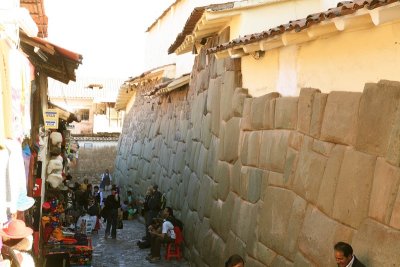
(123, 251)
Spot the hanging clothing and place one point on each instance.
(3, 188)
(17, 191)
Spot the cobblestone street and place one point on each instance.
(124, 252)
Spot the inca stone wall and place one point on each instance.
(276, 179)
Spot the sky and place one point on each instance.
(110, 35)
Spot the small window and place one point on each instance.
(84, 114)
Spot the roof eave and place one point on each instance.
(361, 18)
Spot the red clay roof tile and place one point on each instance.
(342, 9)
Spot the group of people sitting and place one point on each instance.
(160, 223)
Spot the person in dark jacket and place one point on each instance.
(154, 207)
(112, 204)
(344, 256)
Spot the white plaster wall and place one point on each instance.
(101, 124)
(343, 62)
(130, 103)
(162, 35)
(260, 76)
(325, 4)
(267, 16)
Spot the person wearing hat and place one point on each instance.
(17, 237)
(112, 205)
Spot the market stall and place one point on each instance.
(65, 232)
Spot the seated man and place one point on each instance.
(167, 235)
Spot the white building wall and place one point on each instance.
(167, 29)
(264, 17)
(102, 124)
(342, 62)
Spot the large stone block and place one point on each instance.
(253, 262)
(235, 177)
(246, 115)
(273, 150)
(217, 252)
(318, 235)
(226, 216)
(286, 112)
(201, 162)
(206, 131)
(251, 148)
(323, 148)
(193, 192)
(378, 110)
(317, 116)
(376, 244)
(393, 150)
(228, 87)
(262, 111)
(289, 171)
(384, 190)
(296, 140)
(326, 195)
(223, 178)
(212, 158)
(214, 96)
(310, 169)
(301, 261)
(250, 184)
(264, 254)
(179, 162)
(354, 188)
(242, 226)
(281, 262)
(231, 140)
(281, 216)
(186, 178)
(235, 246)
(204, 228)
(340, 118)
(305, 108)
(395, 218)
(204, 199)
(216, 216)
(238, 99)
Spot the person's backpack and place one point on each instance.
(106, 179)
(163, 202)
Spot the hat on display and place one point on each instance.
(16, 229)
(55, 179)
(55, 165)
(46, 205)
(24, 202)
(56, 138)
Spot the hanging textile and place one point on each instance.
(3, 171)
(20, 94)
(16, 173)
(5, 96)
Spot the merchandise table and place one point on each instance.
(79, 255)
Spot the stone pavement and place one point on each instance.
(123, 251)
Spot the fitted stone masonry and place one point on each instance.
(275, 179)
